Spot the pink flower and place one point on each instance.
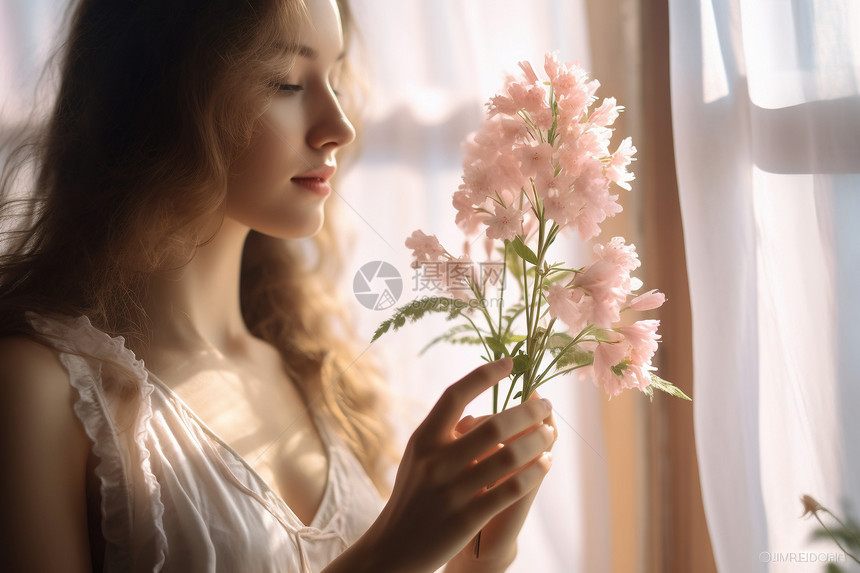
(521, 96)
(648, 301)
(616, 171)
(607, 280)
(564, 304)
(606, 114)
(426, 248)
(597, 203)
(489, 247)
(561, 206)
(529, 72)
(478, 180)
(641, 338)
(506, 223)
(468, 218)
(625, 360)
(457, 274)
(507, 174)
(535, 158)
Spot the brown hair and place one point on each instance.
(156, 100)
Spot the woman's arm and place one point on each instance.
(43, 448)
(440, 499)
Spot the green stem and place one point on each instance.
(511, 321)
(510, 391)
(540, 354)
(534, 306)
(526, 307)
(478, 331)
(486, 314)
(559, 373)
(585, 331)
(830, 533)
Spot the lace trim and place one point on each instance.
(90, 355)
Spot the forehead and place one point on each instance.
(322, 34)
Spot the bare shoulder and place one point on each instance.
(36, 399)
(44, 449)
(24, 352)
(31, 374)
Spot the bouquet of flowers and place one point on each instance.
(538, 169)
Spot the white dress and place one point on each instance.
(175, 497)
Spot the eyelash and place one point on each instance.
(291, 88)
(295, 88)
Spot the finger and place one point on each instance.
(550, 419)
(449, 408)
(506, 461)
(496, 429)
(517, 486)
(468, 423)
(464, 424)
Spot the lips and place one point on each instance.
(323, 173)
(316, 180)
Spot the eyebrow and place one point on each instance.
(306, 51)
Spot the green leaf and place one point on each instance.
(524, 251)
(495, 345)
(559, 340)
(514, 338)
(472, 340)
(513, 265)
(574, 355)
(448, 336)
(521, 363)
(513, 312)
(665, 386)
(518, 394)
(602, 335)
(517, 346)
(619, 368)
(419, 308)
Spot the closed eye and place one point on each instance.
(290, 88)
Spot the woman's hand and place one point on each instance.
(498, 539)
(449, 485)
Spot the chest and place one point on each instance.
(259, 412)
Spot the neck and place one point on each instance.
(197, 307)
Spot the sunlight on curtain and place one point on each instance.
(769, 191)
(432, 66)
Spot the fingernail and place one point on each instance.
(547, 458)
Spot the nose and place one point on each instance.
(332, 128)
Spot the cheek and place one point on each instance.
(260, 171)
(260, 194)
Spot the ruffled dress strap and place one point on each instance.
(113, 404)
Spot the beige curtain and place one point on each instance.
(650, 447)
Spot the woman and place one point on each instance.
(227, 428)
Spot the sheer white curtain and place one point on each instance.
(432, 65)
(766, 116)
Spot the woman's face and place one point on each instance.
(278, 186)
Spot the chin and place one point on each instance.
(295, 230)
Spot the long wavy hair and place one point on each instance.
(155, 101)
